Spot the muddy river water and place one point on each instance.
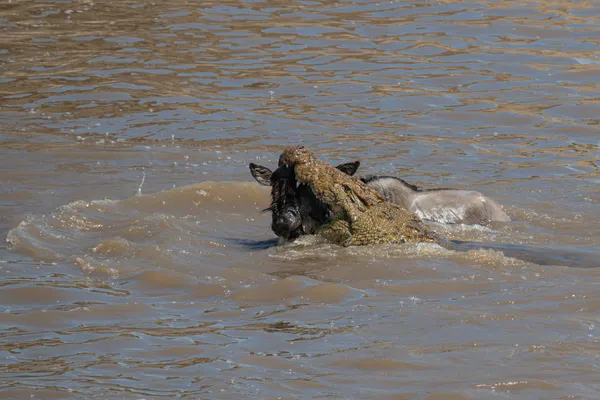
(135, 262)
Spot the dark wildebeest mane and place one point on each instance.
(283, 189)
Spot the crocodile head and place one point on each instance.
(359, 214)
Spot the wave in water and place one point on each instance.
(206, 227)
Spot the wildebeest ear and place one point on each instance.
(349, 168)
(261, 174)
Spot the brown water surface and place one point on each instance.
(137, 263)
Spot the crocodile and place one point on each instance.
(360, 214)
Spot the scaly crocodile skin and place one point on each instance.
(361, 216)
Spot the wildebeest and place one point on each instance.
(296, 210)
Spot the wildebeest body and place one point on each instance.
(449, 206)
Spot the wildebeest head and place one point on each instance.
(295, 209)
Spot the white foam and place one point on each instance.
(586, 61)
(139, 189)
(446, 215)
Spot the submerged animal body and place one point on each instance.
(449, 206)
